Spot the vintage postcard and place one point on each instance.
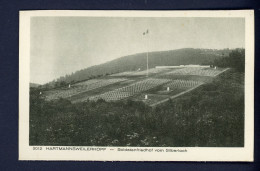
(136, 85)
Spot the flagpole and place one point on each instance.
(145, 34)
(147, 57)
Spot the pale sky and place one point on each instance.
(62, 45)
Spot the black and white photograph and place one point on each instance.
(156, 86)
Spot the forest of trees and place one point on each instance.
(235, 59)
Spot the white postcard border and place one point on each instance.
(27, 152)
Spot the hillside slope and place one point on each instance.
(210, 116)
(136, 61)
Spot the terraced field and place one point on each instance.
(151, 71)
(130, 90)
(183, 84)
(206, 72)
(80, 88)
(183, 71)
(161, 85)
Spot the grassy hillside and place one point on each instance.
(136, 61)
(210, 116)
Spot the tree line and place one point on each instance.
(235, 59)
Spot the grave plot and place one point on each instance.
(80, 88)
(101, 83)
(143, 85)
(111, 96)
(183, 71)
(130, 90)
(150, 71)
(206, 72)
(140, 73)
(169, 90)
(184, 84)
(127, 73)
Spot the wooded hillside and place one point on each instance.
(136, 61)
